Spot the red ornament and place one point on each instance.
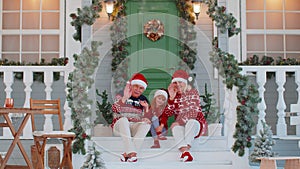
(66, 61)
(73, 16)
(223, 8)
(243, 102)
(84, 135)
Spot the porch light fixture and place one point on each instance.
(197, 7)
(109, 7)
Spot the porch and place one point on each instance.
(277, 93)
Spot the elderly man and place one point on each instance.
(129, 121)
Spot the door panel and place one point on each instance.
(155, 59)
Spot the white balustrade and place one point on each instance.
(259, 71)
(8, 80)
(280, 71)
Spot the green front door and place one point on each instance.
(155, 59)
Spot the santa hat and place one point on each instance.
(161, 92)
(139, 79)
(180, 76)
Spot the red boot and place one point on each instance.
(124, 157)
(132, 157)
(186, 157)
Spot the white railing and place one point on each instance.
(28, 71)
(280, 78)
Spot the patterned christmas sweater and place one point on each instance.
(131, 109)
(185, 106)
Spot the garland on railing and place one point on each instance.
(267, 60)
(37, 76)
(247, 93)
(80, 81)
(86, 15)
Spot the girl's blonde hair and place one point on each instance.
(157, 94)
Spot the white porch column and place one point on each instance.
(261, 81)
(281, 106)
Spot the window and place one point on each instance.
(271, 27)
(31, 30)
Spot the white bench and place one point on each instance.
(291, 162)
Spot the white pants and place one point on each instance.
(133, 134)
(184, 135)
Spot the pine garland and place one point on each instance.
(247, 96)
(87, 15)
(267, 60)
(80, 81)
(37, 76)
(224, 22)
(247, 93)
(119, 39)
(188, 50)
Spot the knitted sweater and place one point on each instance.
(131, 109)
(185, 106)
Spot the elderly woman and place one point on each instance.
(185, 105)
(129, 121)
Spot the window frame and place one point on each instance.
(265, 32)
(60, 32)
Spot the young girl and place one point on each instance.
(157, 106)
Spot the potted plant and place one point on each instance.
(104, 116)
(211, 113)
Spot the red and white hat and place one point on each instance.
(180, 76)
(139, 79)
(161, 92)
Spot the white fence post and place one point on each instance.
(48, 80)
(27, 80)
(261, 81)
(281, 124)
(8, 81)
